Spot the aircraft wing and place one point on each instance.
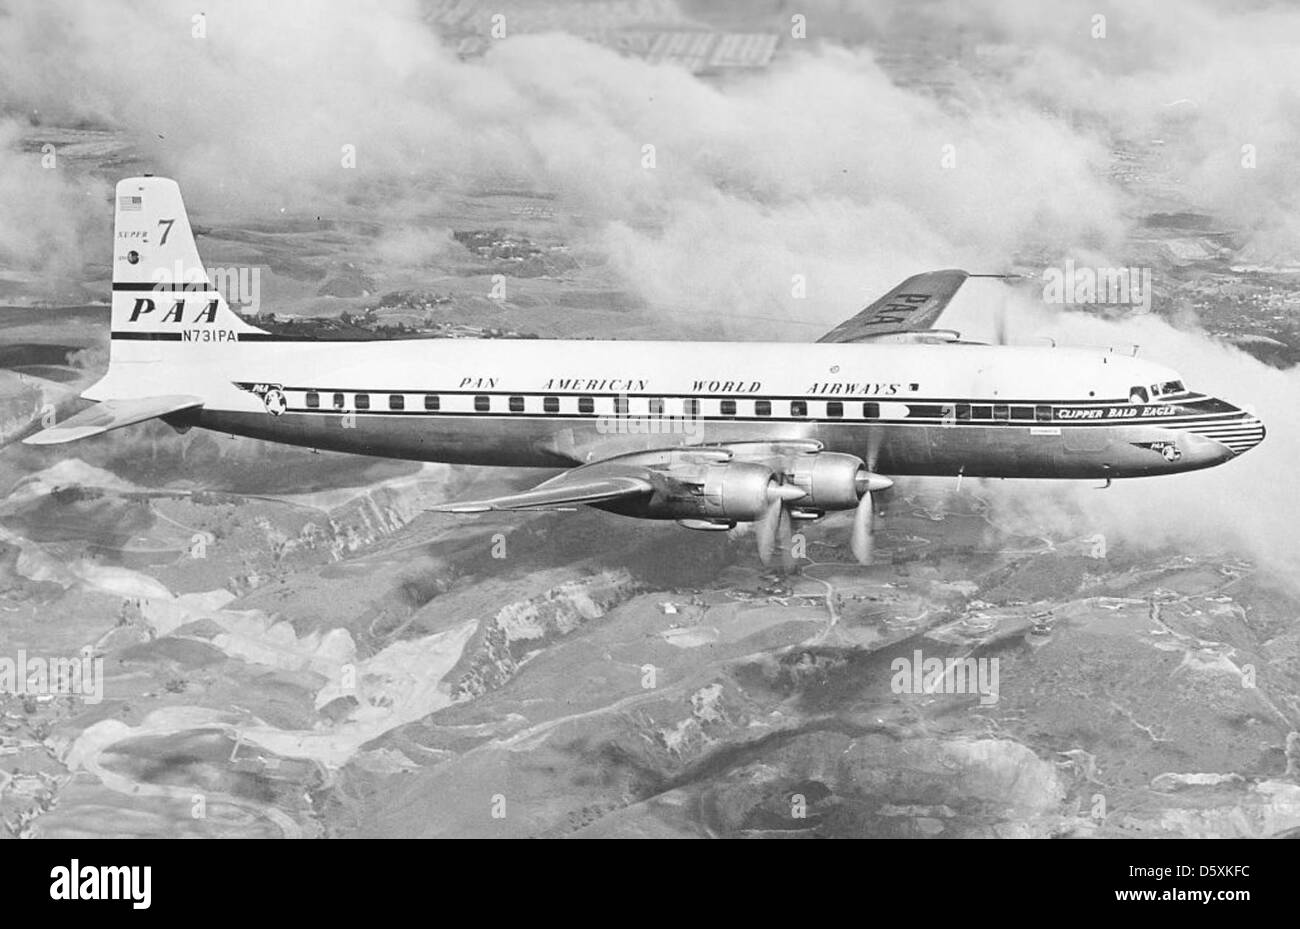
(112, 414)
(632, 474)
(913, 305)
(568, 490)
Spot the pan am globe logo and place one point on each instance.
(272, 396)
(921, 675)
(275, 402)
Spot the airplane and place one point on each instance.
(710, 434)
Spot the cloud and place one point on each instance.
(47, 216)
(821, 167)
(259, 112)
(1241, 506)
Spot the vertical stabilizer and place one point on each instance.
(161, 291)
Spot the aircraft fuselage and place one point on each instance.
(976, 410)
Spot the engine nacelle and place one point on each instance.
(722, 492)
(736, 490)
(831, 480)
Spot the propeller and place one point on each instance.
(775, 530)
(861, 540)
(775, 527)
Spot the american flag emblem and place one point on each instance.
(130, 204)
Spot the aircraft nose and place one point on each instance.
(1238, 431)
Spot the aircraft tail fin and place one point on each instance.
(161, 290)
(172, 333)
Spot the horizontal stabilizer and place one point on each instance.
(568, 489)
(112, 414)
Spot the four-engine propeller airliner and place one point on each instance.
(710, 434)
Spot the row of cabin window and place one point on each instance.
(1000, 412)
(961, 412)
(690, 406)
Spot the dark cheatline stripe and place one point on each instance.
(252, 337)
(1236, 433)
(146, 336)
(141, 287)
(1237, 439)
(1227, 430)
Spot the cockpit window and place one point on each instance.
(1167, 389)
(1138, 395)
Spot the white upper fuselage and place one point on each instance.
(669, 369)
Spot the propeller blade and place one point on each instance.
(869, 484)
(860, 541)
(873, 447)
(775, 527)
(785, 537)
(766, 529)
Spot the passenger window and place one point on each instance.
(1138, 395)
(397, 401)
(586, 405)
(981, 412)
(728, 407)
(835, 409)
(482, 404)
(691, 407)
(1000, 411)
(1022, 412)
(313, 400)
(363, 401)
(871, 410)
(656, 406)
(551, 404)
(762, 407)
(338, 401)
(620, 406)
(798, 407)
(963, 412)
(516, 404)
(431, 402)
(1043, 413)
